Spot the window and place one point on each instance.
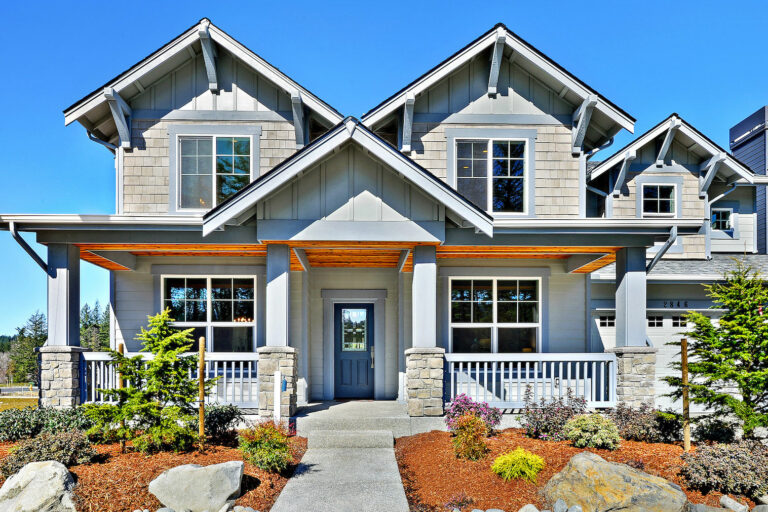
(655, 321)
(679, 321)
(212, 168)
(608, 321)
(658, 200)
(491, 174)
(220, 308)
(721, 219)
(494, 315)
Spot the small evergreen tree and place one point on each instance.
(94, 327)
(156, 408)
(728, 361)
(30, 336)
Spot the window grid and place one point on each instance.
(608, 321)
(679, 321)
(491, 173)
(721, 219)
(658, 200)
(655, 321)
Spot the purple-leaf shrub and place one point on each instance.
(463, 405)
(546, 420)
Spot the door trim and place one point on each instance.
(330, 298)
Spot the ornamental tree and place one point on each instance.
(728, 360)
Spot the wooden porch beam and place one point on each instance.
(298, 118)
(629, 156)
(209, 55)
(578, 261)
(674, 125)
(581, 118)
(410, 100)
(120, 114)
(498, 52)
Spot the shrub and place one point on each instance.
(647, 424)
(518, 464)
(740, 468)
(547, 419)
(468, 434)
(266, 446)
(714, 430)
(592, 431)
(17, 424)
(463, 405)
(220, 421)
(69, 448)
(458, 501)
(670, 426)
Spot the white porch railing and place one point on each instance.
(502, 379)
(238, 382)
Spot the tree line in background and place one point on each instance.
(18, 360)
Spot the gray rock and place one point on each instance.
(494, 510)
(575, 508)
(238, 508)
(39, 487)
(700, 507)
(528, 508)
(760, 508)
(165, 509)
(732, 504)
(198, 489)
(763, 500)
(560, 506)
(595, 484)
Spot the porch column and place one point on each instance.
(60, 357)
(636, 361)
(425, 361)
(277, 364)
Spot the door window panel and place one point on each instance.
(354, 330)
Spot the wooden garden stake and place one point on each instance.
(121, 385)
(686, 401)
(201, 384)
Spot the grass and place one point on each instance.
(16, 385)
(16, 403)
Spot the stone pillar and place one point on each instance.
(630, 297)
(60, 376)
(424, 381)
(635, 375)
(278, 297)
(63, 295)
(272, 359)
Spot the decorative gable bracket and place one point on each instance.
(209, 55)
(581, 120)
(707, 172)
(674, 125)
(121, 112)
(628, 157)
(498, 52)
(410, 100)
(297, 107)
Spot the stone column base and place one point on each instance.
(272, 359)
(635, 375)
(60, 376)
(424, 381)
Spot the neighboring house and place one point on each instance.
(457, 238)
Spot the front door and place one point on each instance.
(353, 341)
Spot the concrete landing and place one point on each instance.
(345, 471)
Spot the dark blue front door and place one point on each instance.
(353, 340)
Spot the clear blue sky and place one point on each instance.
(704, 60)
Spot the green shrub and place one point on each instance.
(518, 464)
(669, 425)
(740, 468)
(714, 430)
(646, 424)
(469, 437)
(593, 431)
(69, 448)
(17, 424)
(220, 421)
(266, 446)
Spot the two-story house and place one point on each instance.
(456, 239)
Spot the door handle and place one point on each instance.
(373, 357)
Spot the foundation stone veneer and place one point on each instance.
(60, 376)
(635, 374)
(272, 359)
(424, 381)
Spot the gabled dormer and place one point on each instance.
(505, 125)
(196, 121)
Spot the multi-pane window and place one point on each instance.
(607, 321)
(220, 308)
(495, 315)
(658, 200)
(679, 321)
(655, 321)
(721, 219)
(491, 174)
(212, 168)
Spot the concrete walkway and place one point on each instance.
(344, 471)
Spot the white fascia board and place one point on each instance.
(520, 51)
(84, 220)
(277, 180)
(618, 157)
(661, 226)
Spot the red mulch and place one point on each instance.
(118, 482)
(432, 474)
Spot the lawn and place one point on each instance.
(432, 474)
(17, 403)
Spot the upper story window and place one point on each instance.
(220, 308)
(721, 219)
(608, 321)
(658, 200)
(212, 168)
(494, 315)
(491, 173)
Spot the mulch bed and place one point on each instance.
(119, 482)
(433, 476)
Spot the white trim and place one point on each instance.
(730, 218)
(675, 210)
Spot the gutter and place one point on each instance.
(24, 245)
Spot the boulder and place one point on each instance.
(732, 504)
(760, 508)
(198, 489)
(528, 508)
(597, 485)
(699, 507)
(38, 487)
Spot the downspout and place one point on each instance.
(117, 152)
(24, 245)
(110, 147)
(663, 249)
(708, 221)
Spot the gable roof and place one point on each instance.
(575, 90)
(141, 75)
(349, 129)
(702, 145)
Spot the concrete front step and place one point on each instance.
(350, 439)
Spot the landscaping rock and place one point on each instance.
(763, 500)
(528, 508)
(199, 489)
(760, 508)
(38, 487)
(700, 507)
(244, 509)
(560, 506)
(597, 485)
(732, 504)
(575, 508)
